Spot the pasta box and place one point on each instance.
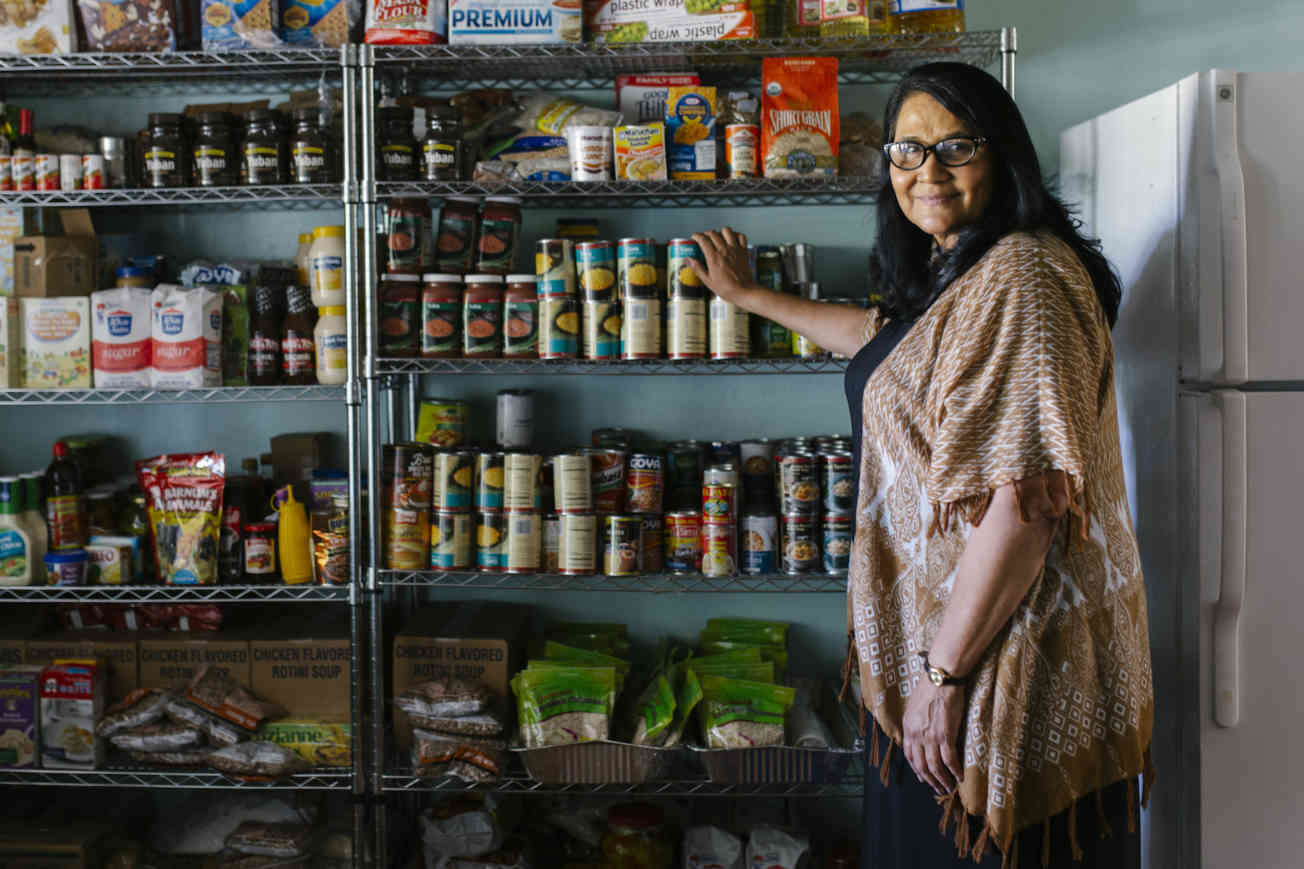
(20, 694)
(55, 343)
(73, 695)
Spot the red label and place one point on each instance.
(120, 357)
(65, 517)
(296, 355)
(179, 355)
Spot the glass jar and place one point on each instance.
(636, 839)
(398, 145)
(266, 152)
(215, 163)
(133, 276)
(265, 312)
(298, 352)
(521, 317)
(482, 317)
(455, 239)
(500, 230)
(442, 150)
(167, 159)
(260, 553)
(441, 316)
(400, 315)
(303, 260)
(101, 513)
(309, 149)
(409, 233)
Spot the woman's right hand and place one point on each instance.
(728, 269)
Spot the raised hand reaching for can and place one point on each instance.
(728, 271)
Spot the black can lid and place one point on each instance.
(214, 118)
(164, 119)
(390, 114)
(260, 115)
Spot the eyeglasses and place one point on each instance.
(949, 152)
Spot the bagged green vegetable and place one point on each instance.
(688, 694)
(654, 712)
(777, 654)
(748, 631)
(757, 671)
(564, 705)
(608, 638)
(740, 714)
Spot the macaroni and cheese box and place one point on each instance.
(690, 133)
(72, 701)
(20, 695)
(55, 344)
(640, 152)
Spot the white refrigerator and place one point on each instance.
(1197, 194)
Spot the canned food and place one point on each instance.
(521, 488)
(730, 330)
(491, 541)
(652, 545)
(636, 268)
(595, 269)
(622, 538)
(552, 543)
(684, 464)
(92, 172)
(719, 502)
(760, 543)
(406, 538)
(442, 422)
(757, 459)
(723, 474)
(47, 171)
(838, 532)
(6, 172)
(450, 541)
(524, 543)
(800, 548)
(554, 265)
(600, 329)
(741, 149)
(577, 555)
(521, 318)
(612, 438)
(559, 327)
(645, 481)
(724, 453)
(683, 541)
(454, 480)
(685, 327)
(70, 172)
(838, 483)
(608, 469)
(572, 479)
(798, 488)
(546, 496)
(719, 549)
(408, 476)
(681, 279)
(640, 329)
(489, 481)
(515, 418)
(804, 347)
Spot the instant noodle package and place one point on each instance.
(799, 117)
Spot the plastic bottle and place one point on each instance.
(31, 517)
(303, 258)
(15, 540)
(326, 266)
(331, 338)
(294, 541)
(65, 501)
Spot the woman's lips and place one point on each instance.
(936, 200)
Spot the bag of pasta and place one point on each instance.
(184, 502)
(799, 117)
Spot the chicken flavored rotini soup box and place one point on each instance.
(72, 702)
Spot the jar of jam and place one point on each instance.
(134, 276)
(266, 152)
(636, 839)
(441, 316)
(400, 315)
(409, 229)
(265, 312)
(298, 350)
(442, 151)
(310, 158)
(500, 230)
(482, 316)
(260, 553)
(215, 163)
(521, 317)
(167, 159)
(398, 145)
(456, 236)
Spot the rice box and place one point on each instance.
(55, 344)
(690, 133)
(185, 338)
(640, 152)
(72, 702)
(670, 20)
(120, 338)
(10, 324)
(20, 696)
(480, 22)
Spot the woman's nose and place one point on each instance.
(933, 170)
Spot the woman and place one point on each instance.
(996, 608)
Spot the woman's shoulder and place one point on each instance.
(1027, 262)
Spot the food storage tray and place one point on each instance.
(601, 762)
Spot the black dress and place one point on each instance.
(900, 818)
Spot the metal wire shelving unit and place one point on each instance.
(214, 395)
(403, 781)
(113, 776)
(176, 594)
(657, 583)
(280, 196)
(795, 365)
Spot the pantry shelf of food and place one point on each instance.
(791, 583)
(851, 787)
(174, 63)
(747, 365)
(173, 594)
(214, 395)
(290, 195)
(129, 777)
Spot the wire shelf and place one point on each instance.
(173, 594)
(216, 395)
(273, 62)
(819, 365)
(734, 192)
(658, 583)
(289, 195)
(115, 776)
(399, 781)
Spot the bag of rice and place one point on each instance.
(741, 714)
(563, 705)
(799, 117)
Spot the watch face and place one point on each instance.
(936, 677)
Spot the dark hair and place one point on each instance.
(902, 267)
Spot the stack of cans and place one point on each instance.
(640, 298)
(686, 330)
(760, 523)
(595, 267)
(720, 520)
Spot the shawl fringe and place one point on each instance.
(1045, 843)
(953, 810)
(885, 768)
(1102, 820)
(973, 509)
(980, 847)
(1148, 776)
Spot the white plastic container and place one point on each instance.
(120, 338)
(15, 537)
(326, 266)
(331, 337)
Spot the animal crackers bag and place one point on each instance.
(799, 117)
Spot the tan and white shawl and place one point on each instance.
(1009, 374)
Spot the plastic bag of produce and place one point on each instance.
(218, 731)
(219, 693)
(564, 705)
(610, 638)
(775, 849)
(257, 761)
(741, 714)
(712, 848)
(270, 840)
(471, 759)
(778, 654)
(445, 698)
(140, 707)
(654, 712)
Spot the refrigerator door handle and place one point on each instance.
(1231, 226)
(1231, 588)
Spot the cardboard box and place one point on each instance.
(308, 676)
(72, 703)
(42, 28)
(118, 652)
(55, 343)
(20, 720)
(47, 266)
(171, 660)
(51, 844)
(321, 743)
(11, 330)
(11, 228)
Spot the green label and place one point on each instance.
(455, 244)
(497, 245)
(441, 327)
(482, 328)
(521, 328)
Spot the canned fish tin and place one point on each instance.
(636, 268)
(760, 535)
(442, 422)
(685, 327)
(837, 544)
(622, 538)
(800, 549)
(454, 480)
(577, 554)
(524, 542)
(652, 545)
(838, 483)
(681, 279)
(489, 481)
(491, 541)
(640, 329)
(521, 486)
(515, 418)
(554, 266)
(559, 327)
(612, 438)
(719, 549)
(595, 269)
(608, 469)
(645, 480)
(730, 330)
(572, 480)
(552, 543)
(450, 541)
(719, 502)
(600, 329)
(799, 491)
(683, 541)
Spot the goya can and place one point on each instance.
(572, 483)
(798, 486)
(552, 543)
(491, 541)
(524, 542)
(454, 480)
(798, 543)
(595, 270)
(838, 483)
(600, 329)
(408, 485)
(686, 327)
(683, 541)
(719, 502)
(450, 540)
(622, 542)
(521, 482)
(760, 543)
(608, 469)
(645, 480)
(640, 329)
(719, 549)
(730, 336)
(442, 422)
(489, 481)
(636, 268)
(652, 545)
(559, 327)
(554, 266)
(578, 547)
(837, 544)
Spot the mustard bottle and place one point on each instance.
(292, 537)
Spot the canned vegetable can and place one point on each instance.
(489, 481)
(554, 266)
(838, 483)
(515, 430)
(686, 331)
(645, 482)
(524, 542)
(595, 269)
(552, 543)
(559, 327)
(572, 481)
(798, 486)
(683, 541)
(491, 541)
(454, 480)
(577, 548)
(652, 545)
(636, 268)
(760, 542)
(730, 336)
(600, 329)
(640, 328)
(608, 467)
(450, 541)
(521, 487)
(719, 549)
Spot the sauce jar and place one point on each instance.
(456, 236)
(260, 553)
(398, 145)
(521, 317)
(482, 320)
(500, 230)
(133, 276)
(265, 312)
(215, 163)
(409, 231)
(266, 153)
(298, 352)
(636, 839)
(442, 155)
(400, 315)
(441, 316)
(310, 161)
(167, 159)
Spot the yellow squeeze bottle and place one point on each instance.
(292, 537)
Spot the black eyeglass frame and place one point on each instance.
(978, 142)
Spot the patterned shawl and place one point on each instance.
(1009, 374)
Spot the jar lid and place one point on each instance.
(65, 556)
(472, 199)
(307, 113)
(484, 279)
(134, 272)
(164, 119)
(522, 279)
(332, 311)
(260, 528)
(328, 232)
(442, 279)
(260, 115)
(401, 276)
(637, 816)
(511, 200)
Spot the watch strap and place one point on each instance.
(938, 676)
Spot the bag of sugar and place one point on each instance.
(186, 338)
(120, 338)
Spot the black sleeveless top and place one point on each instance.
(858, 373)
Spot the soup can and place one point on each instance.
(450, 541)
(572, 481)
(577, 547)
(491, 541)
(559, 327)
(719, 502)
(524, 542)
(652, 545)
(552, 543)
(799, 545)
(686, 327)
(683, 541)
(521, 482)
(730, 336)
(408, 481)
(608, 475)
(554, 266)
(515, 418)
(70, 172)
(93, 172)
(838, 531)
(719, 549)
(622, 538)
(454, 480)
(595, 270)
(645, 479)
(685, 464)
(757, 461)
(838, 483)
(636, 268)
(613, 438)
(442, 422)
(47, 171)
(680, 277)
(760, 543)
(489, 481)
(640, 329)
(406, 537)
(600, 329)
(742, 147)
(798, 486)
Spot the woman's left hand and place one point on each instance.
(932, 734)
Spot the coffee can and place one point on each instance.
(70, 172)
(524, 542)
(491, 541)
(608, 475)
(645, 480)
(489, 481)
(799, 545)
(450, 540)
(652, 545)
(515, 418)
(760, 543)
(838, 531)
(622, 539)
(577, 548)
(572, 480)
(552, 543)
(92, 172)
(521, 482)
(683, 541)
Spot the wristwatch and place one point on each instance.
(938, 676)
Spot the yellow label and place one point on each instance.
(640, 151)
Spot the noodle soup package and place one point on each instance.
(799, 117)
(184, 500)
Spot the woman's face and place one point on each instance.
(940, 200)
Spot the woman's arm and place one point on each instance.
(839, 328)
(1004, 556)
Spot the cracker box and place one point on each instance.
(10, 330)
(20, 696)
(669, 20)
(185, 338)
(640, 152)
(39, 28)
(120, 338)
(642, 98)
(55, 343)
(237, 25)
(315, 23)
(72, 702)
(479, 22)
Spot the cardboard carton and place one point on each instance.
(308, 676)
(20, 719)
(11, 330)
(55, 343)
(171, 659)
(11, 227)
(117, 653)
(47, 266)
(72, 703)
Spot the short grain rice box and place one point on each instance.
(56, 343)
(485, 22)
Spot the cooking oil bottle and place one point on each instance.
(926, 16)
(292, 538)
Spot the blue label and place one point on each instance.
(759, 561)
(13, 554)
(172, 323)
(335, 341)
(119, 323)
(489, 499)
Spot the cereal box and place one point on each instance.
(20, 697)
(690, 133)
(120, 338)
(10, 329)
(72, 701)
(670, 20)
(315, 23)
(479, 22)
(185, 338)
(800, 126)
(640, 152)
(642, 98)
(38, 27)
(237, 25)
(55, 344)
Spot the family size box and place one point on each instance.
(309, 676)
(20, 719)
(479, 22)
(117, 655)
(73, 697)
(48, 266)
(170, 660)
(55, 343)
(642, 98)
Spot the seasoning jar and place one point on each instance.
(636, 839)
(309, 149)
(298, 356)
(132, 276)
(398, 145)
(260, 553)
(266, 153)
(409, 229)
(500, 229)
(265, 313)
(167, 159)
(441, 316)
(482, 316)
(521, 317)
(101, 515)
(442, 149)
(215, 163)
(400, 315)
(332, 342)
(456, 236)
(326, 266)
